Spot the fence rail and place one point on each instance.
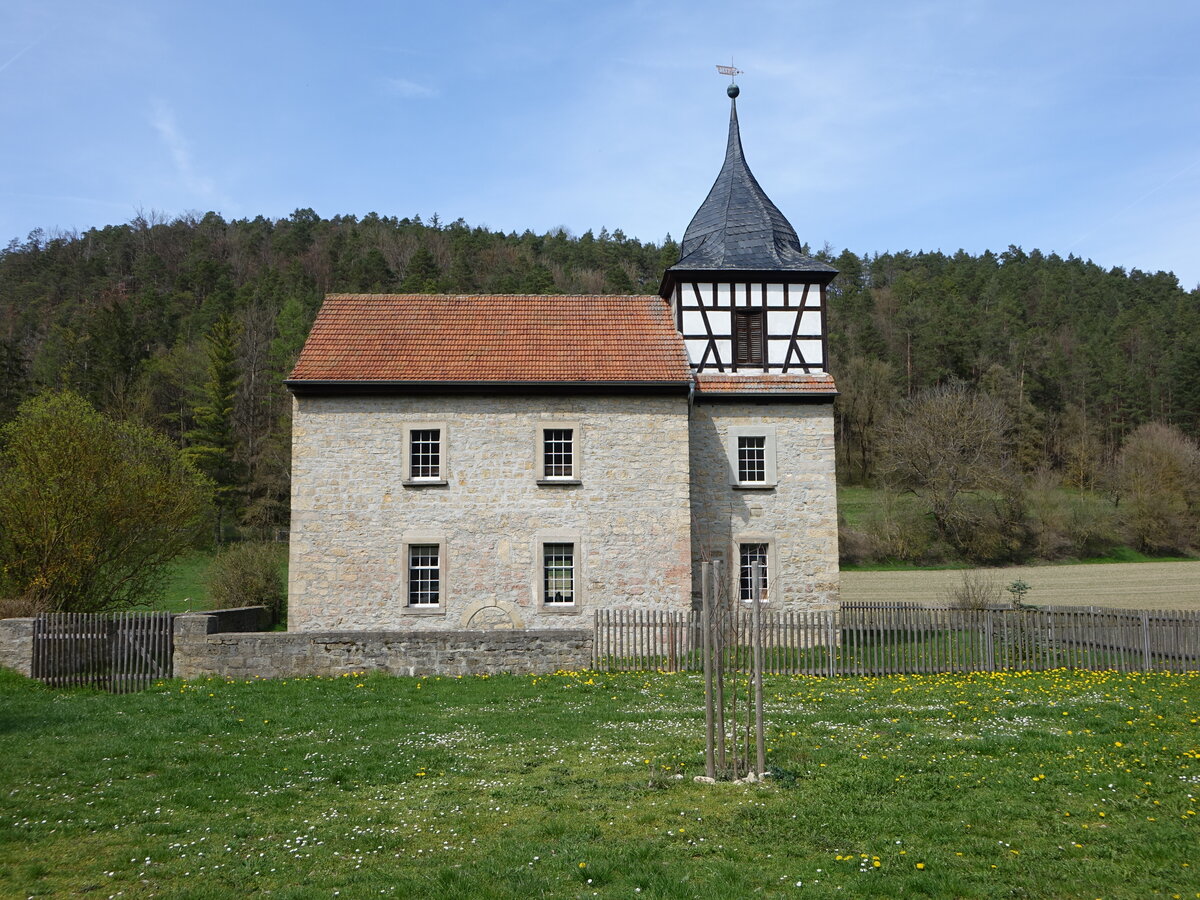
(118, 652)
(881, 639)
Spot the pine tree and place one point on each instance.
(211, 443)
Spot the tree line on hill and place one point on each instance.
(189, 326)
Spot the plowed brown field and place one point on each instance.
(1171, 585)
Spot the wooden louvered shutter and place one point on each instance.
(748, 337)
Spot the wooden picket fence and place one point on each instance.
(884, 639)
(118, 652)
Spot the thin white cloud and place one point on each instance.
(402, 87)
(18, 55)
(164, 123)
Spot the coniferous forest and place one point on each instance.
(190, 325)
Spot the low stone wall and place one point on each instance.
(200, 651)
(16, 645)
(242, 618)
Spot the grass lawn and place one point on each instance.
(187, 585)
(1055, 784)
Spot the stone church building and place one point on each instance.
(522, 461)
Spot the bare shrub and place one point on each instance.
(975, 590)
(250, 574)
(1066, 523)
(897, 529)
(944, 445)
(22, 607)
(854, 546)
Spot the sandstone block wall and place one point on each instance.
(16, 645)
(200, 652)
(629, 516)
(797, 517)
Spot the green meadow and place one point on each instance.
(1060, 784)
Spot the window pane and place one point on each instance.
(752, 458)
(558, 453)
(750, 554)
(424, 575)
(425, 453)
(559, 568)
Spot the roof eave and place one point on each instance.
(737, 276)
(336, 386)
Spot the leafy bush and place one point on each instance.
(91, 509)
(898, 529)
(250, 574)
(1157, 483)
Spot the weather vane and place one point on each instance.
(729, 70)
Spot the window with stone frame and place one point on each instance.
(752, 458)
(558, 574)
(558, 453)
(424, 575)
(748, 555)
(424, 454)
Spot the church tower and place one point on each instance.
(746, 297)
(750, 305)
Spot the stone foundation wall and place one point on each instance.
(200, 652)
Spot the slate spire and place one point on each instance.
(737, 227)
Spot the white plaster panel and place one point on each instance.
(780, 323)
(695, 350)
(693, 322)
(810, 322)
(775, 295)
(812, 352)
(719, 320)
(723, 295)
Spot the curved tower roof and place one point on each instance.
(737, 227)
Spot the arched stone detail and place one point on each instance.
(492, 615)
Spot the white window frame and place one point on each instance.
(443, 455)
(735, 568)
(578, 557)
(767, 432)
(576, 453)
(423, 539)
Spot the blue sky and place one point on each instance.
(1071, 127)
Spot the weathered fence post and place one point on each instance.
(1147, 659)
(706, 600)
(759, 576)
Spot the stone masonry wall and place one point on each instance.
(16, 645)
(199, 652)
(629, 516)
(798, 517)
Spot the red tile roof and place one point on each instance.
(811, 385)
(522, 338)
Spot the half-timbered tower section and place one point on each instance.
(750, 306)
(488, 462)
(747, 298)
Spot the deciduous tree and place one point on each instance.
(91, 509)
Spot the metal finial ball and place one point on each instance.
(733, 90)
